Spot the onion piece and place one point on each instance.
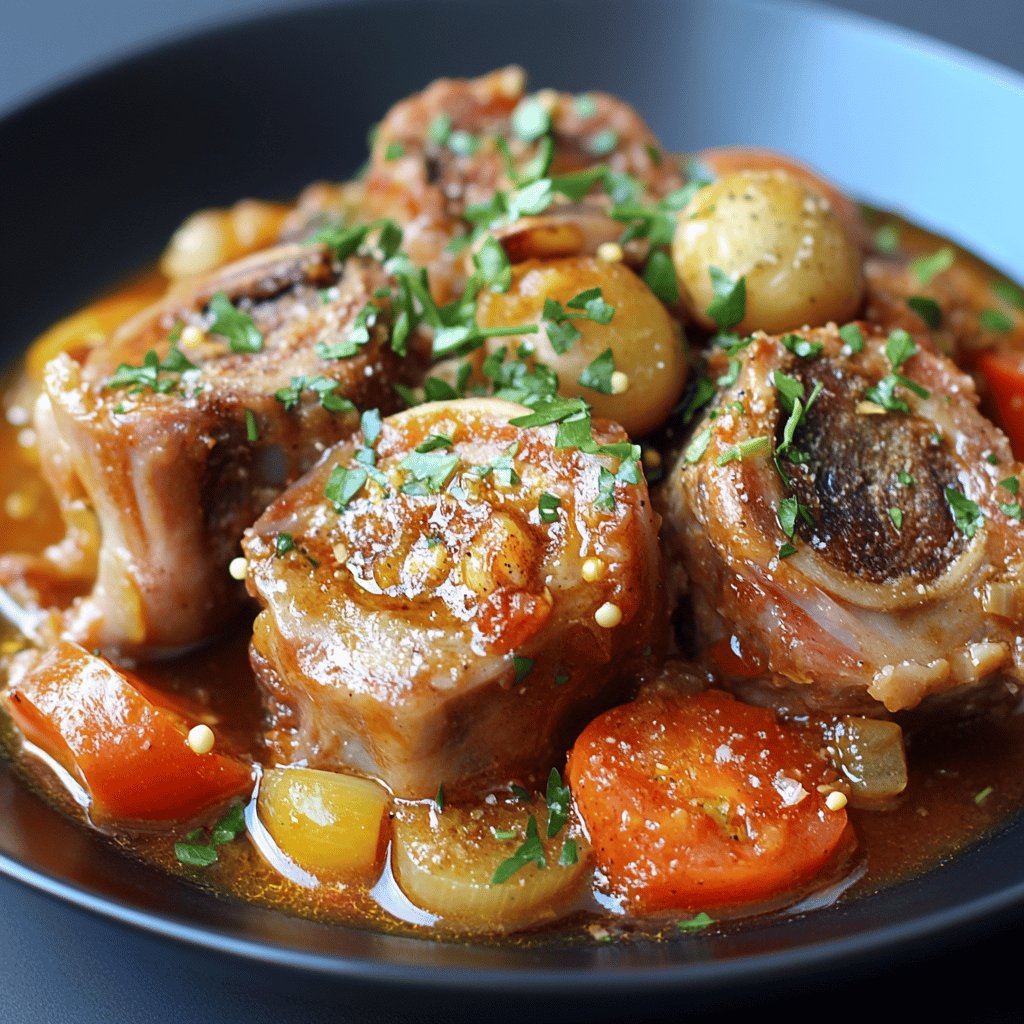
(446, 861)
(327, 823)
(869, 753)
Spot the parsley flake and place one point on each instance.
(530, 852)
(344, 484)
(231, 323)
(896, 515)
(996, 321)
(853, 337)
(927, 309)
(195, 853)
(927, 268)
(548, 506)
(557, 797)
(802, 347)
(695, 923)
(530, 120)
(429, 471)
(887, 239)
(660, 277)
(729, 306)
(598, 374)
(966, 514)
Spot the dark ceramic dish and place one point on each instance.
(98, 173)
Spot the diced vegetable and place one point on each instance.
(1004, 373)
(696, 802)
(125, 742)
(330, 824)
(499, 869)
(869, 752)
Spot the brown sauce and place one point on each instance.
(965, 779)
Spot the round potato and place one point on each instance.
(646, 345)
(800, 264)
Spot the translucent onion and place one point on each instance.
(445, 862)
(869, 753)
(329, 824)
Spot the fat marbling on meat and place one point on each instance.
(435, 620)
(873, 562)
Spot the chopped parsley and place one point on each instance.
(738, 452)
(323, 387)
(530, 120)
(530, 852)
(729, 306)
(927, 268)
(434, 442)
(886, 239)
(604, 142)
(197, 853)
(429, 471)
(344, 484)
(252, 429)
(557, 797)
(521, 667)
(703, 392)
(853, 337)
(439, 798)
(502, 467)
(695, 923)
(598, 374)
(899, 347)
(1010, 293)
(698, 446)
(463, 143)
(548, 506)
(148, 375)
(660, 277)
(996, 321)
(966, 514)
(230, 322)
(394, 150)
(896, 515)
(585, 106)
(440, 129)
(927, 309)
(788, 512)
(802, 347)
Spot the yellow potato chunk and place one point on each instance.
(646, 345)
(327, 823)
(801, 265)
(447, 862)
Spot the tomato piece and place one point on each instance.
(699, 802)
(124, 742)
(1004, 373)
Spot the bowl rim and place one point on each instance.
(979, 914)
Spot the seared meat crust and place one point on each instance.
(450, 636)
(158, 480)
(905, 579)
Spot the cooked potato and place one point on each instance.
(210, 238)
(327, 823)
(446, 862)
(646, 345)
(800, 263)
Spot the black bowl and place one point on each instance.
(96, 176)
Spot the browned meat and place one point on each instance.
(958, 300)
(436, 155)
(161, 452)
(465, 608)
(879, 563)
